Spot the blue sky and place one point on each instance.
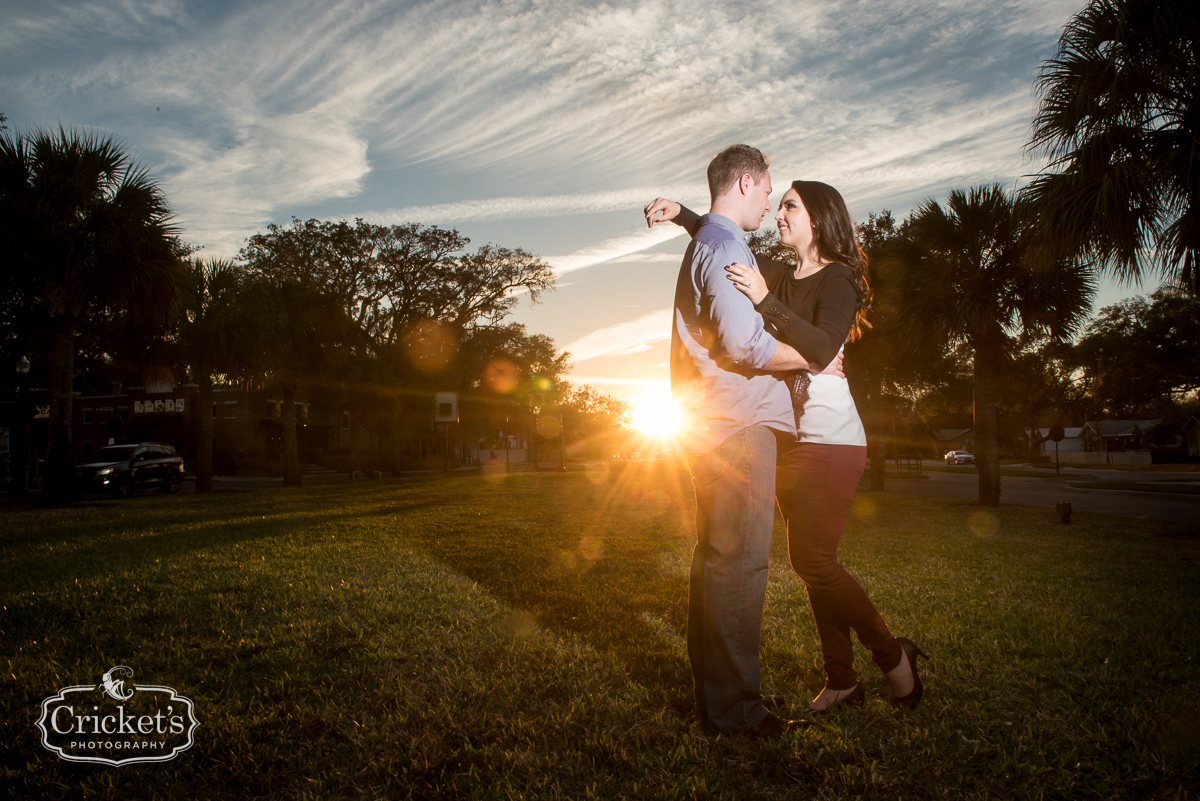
(544, 125)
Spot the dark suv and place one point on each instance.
(120, 469)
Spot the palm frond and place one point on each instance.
(1118, 121)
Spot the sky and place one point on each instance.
(540, 125)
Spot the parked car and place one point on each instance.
(960, 457)
(121, 469)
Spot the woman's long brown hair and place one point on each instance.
(836, 241)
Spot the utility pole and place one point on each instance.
(562, 449)
(19, 475)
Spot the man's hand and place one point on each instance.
(834, 367)
(660, 210)
(787, 359)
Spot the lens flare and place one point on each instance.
(501, 376)
(430, 346)
(656, 415)
(864, 508)
(983, 524)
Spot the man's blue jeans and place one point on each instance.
(735, 512)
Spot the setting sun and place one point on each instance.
(656, 415)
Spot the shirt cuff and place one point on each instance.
(771, 305)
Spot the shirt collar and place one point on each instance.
(725, 222)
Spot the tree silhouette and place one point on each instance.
(1041, 385)
(419, 304)
(315, 340)
(1120, 121)
(227, 325)
(882, 366)
(85, 229)
(1141, 353)
(970, 272)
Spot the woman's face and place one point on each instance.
(795, 228)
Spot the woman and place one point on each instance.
(816, 307)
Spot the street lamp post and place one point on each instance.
(562, 448)
(537, 424)
(21, 474)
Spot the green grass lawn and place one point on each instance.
(890, 475)
(520, 636)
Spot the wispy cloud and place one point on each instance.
(281, 105)
(616, 248)
(509, 208)
(602, 380)
(641, 258)
(633, 336)
(33, 24)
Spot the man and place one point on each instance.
(734, 407)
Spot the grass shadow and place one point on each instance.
(604, 566)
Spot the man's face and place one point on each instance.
(759, 202)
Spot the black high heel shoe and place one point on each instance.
(911, 652)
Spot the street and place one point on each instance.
(1024, 491)
(1051, 490)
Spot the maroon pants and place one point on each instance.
(814, 485)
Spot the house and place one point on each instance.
(251, 421)
(1130, 442)
(954, 439)
(1191, 435)
(1108, 436)
(1072, 441)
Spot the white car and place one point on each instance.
(960, 457)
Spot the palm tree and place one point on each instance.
(877, 359)
(85, 229)
(886, 368)
(1120, 122)
(225, 326)
(315, 339)
(969, 272)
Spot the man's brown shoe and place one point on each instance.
(772, 726)
(776, 703)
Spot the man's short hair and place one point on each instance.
(728, 167)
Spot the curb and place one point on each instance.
(1141, 493)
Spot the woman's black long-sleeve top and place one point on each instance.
(812, 314)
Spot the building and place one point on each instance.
(399, 436)
(1191, 434)
(954, 439)
(1111, 436)
(1129, 442)
(1072, 441)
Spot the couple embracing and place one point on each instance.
(756, 368)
